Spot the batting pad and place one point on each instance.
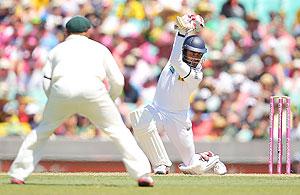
(148, 138)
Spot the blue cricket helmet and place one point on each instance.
(195, 44)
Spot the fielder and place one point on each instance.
(169, 110)
(73, 82)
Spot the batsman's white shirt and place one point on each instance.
(176, 82)
(76, 68)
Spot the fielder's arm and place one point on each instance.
(47, 70)
(114, 75)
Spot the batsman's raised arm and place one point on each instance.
(176, 56)
(188, 50)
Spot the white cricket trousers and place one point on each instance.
(102, 112)
(178, 127)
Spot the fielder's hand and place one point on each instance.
(189, 23)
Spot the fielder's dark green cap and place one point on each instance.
(78, 24)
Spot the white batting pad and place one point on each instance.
(148, 138)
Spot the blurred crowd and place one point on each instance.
(254, 53)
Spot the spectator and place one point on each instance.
(85, 129)
(232, 8)
(8, 80)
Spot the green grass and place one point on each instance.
(174, 184)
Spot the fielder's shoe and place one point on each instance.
(220, 168)
(16, 181)
(145, 181)
(161, 170)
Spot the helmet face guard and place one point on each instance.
(193, 50)
(192, 58)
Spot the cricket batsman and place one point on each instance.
(73, 81)
(170, 108)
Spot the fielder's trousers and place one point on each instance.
(102, 112)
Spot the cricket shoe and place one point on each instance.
(199, 167)
(16, 181)
(220, 168)
(161, 170)
(145, 181)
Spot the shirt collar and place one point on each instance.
(73, 36)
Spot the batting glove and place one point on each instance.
(189, 23)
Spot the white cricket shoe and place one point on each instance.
(161, 170)
(200, 167)
(220, 168)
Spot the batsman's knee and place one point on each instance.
(142, 121)
(144, 128)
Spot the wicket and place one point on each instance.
(281, 101)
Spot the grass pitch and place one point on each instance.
(173, 184)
